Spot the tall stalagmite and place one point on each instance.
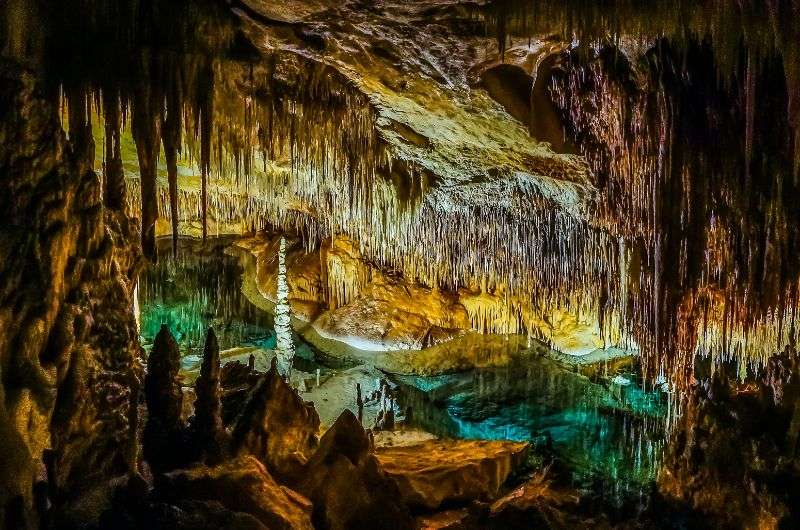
(164, 433)
(208, 432)
(284, 348)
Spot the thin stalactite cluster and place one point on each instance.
(679, 241)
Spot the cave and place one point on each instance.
(422, 264)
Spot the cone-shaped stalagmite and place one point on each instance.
(164, 432)
(207, 428)
(276, 426)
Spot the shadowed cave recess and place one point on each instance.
(376, 264)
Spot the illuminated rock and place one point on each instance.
(277, 427)
(445, 471)
(241, 485)
(284, 349)
(345, 482)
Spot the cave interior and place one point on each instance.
(399, 264)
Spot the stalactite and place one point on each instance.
(145, 130)
(114, 195)
(205, 105)
(171, 140)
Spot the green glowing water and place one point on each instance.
(609, 433)
(202, 289)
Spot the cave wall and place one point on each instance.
(69, 353)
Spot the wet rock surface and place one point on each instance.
(435, 472)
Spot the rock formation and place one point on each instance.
(731, 457)
(69, 354)
(241, 485)
(436, 472)
(284, 348)
(164, 437)
(208, 431)
(277, 427)
(345, 482)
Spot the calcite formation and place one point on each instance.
(207, 427)
(284, 347)
(436, 472)
(276, 426)
(241, 485)
(69, 354)
(164, 438)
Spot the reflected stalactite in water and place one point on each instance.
(191, 292)
(610, 434)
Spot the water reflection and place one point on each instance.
(201, 288)
(609, 433)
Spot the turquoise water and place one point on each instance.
(609, 435)
(201, 288)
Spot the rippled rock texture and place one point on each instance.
(241, 485)
(69, 353)
(438, 471)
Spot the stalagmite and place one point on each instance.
(284, 348)
(163, 438)
(207, 427)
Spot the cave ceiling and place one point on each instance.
(622, 161)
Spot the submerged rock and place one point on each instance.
(535, 504)
(435, 472)
(277, 427)
(241, 486)
(345, 482)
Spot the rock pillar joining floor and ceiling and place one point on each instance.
(284, 348)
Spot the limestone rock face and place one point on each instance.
(68, 348)
(277, 427)
(345, 482)
(438, 471)
(348, 298)
(241, 485)
(164, 433)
